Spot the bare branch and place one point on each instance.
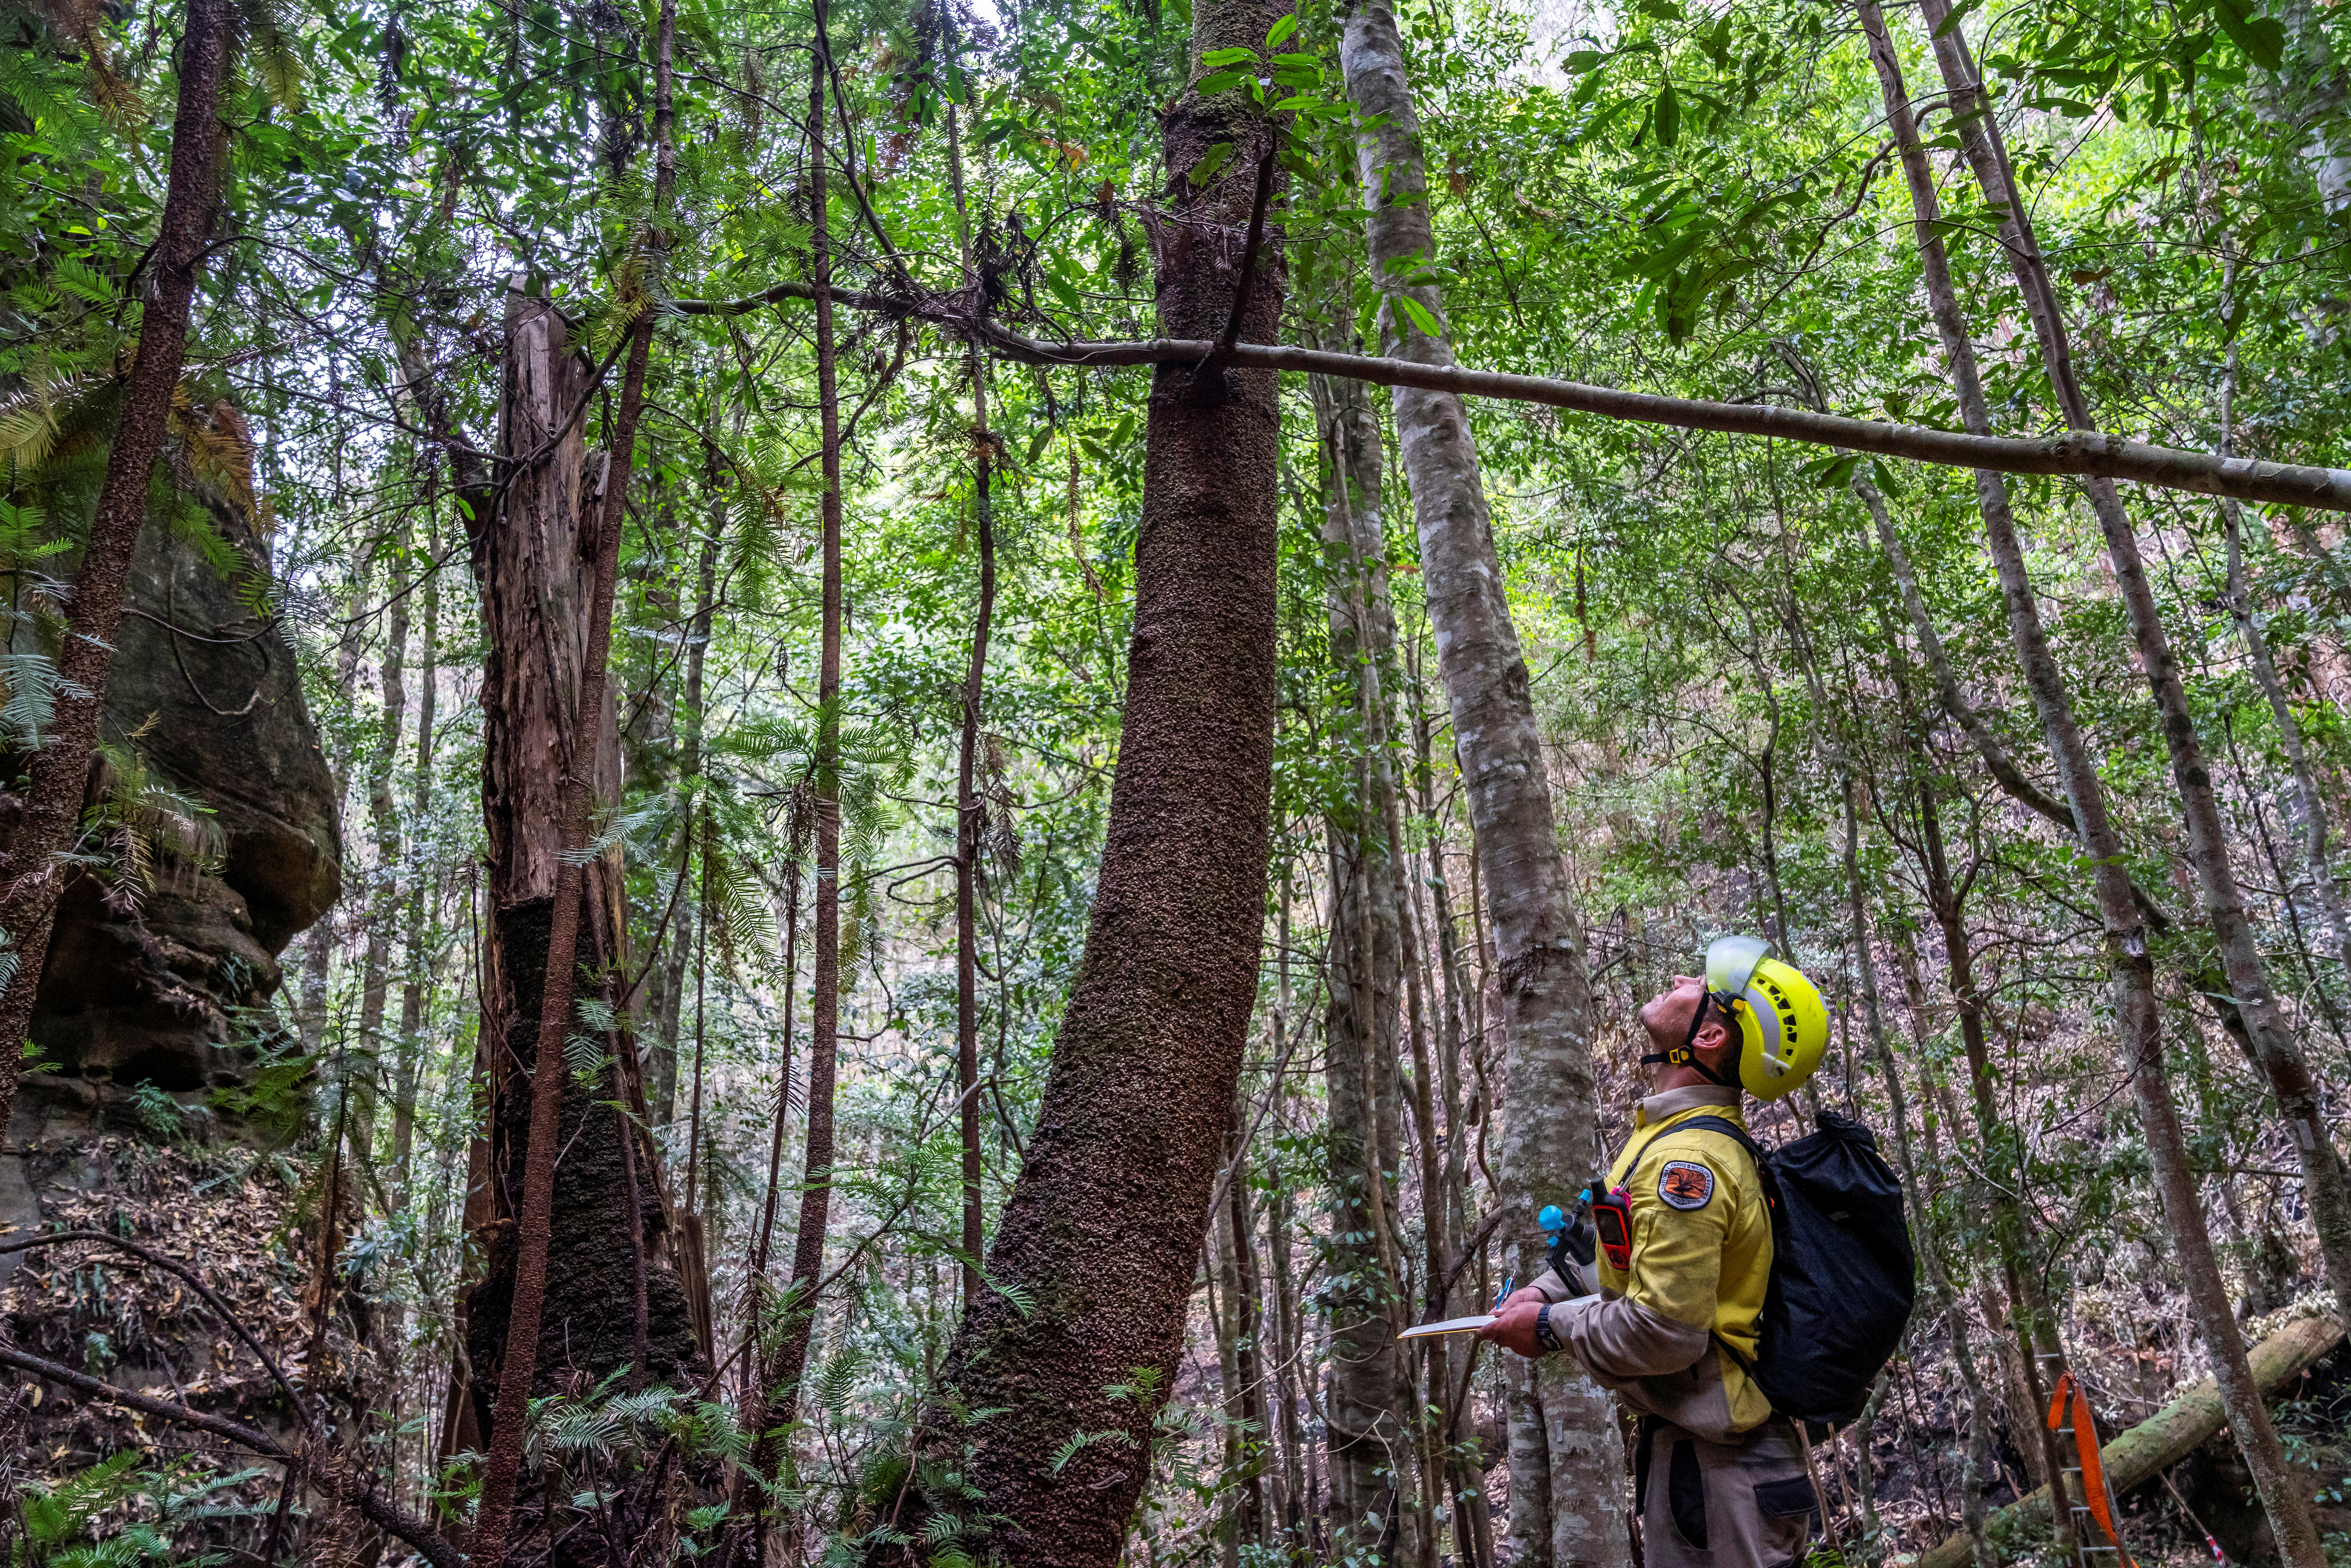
(2088, 454)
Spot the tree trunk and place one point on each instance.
(1365, 1430)
(1563, 1426)
(2275, 1050)
(781, 1376)
(2135, 1005)
(1978, 1456)
(970, 816)
(2039, 1358)
(414, 992)
(59, 771)
(1248, 1348)
(383, 820)
(546, 767)
(1105, 1222)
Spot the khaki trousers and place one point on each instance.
(1747, 1504)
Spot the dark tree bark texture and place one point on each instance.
(1103, 1229)
(533, 563)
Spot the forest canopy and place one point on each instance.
(850, 781)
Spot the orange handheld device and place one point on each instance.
(1612, 1225)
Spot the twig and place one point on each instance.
(345, 1486)
(1209, 387)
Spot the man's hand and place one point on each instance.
(1514, 1327)
(1521, 1297)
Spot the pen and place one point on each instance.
(1503, 1296)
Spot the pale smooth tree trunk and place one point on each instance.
(1365, 1429)
(2309, 805)
(2136, 1021)
(1563, 1431)
(2275, 1050)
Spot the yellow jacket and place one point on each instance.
(1701, 1263)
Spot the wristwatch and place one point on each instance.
(1546, 1337)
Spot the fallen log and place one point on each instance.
(2166, 1437)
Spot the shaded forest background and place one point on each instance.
(1772, 687)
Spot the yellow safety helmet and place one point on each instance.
(1782, 1024)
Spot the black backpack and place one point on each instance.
(1842, 1273)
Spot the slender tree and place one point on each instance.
(970, 813)
(1560, 1422)
(2274, 1049)
(2137, 1017)
(31, 878)
(781, 1374)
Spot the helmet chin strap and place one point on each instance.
(1686, 1054)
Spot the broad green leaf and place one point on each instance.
(1957, 15)
(1668, 116)
(1214, 159)
(1418, 314)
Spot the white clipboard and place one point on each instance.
(1450, 1325)
(1471, 1325)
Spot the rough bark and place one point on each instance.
(58, 772)
(548, 567)
(1562, 1427)
(2137, 1025)
(1105, 1222)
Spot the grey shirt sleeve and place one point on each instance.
(1582, 1279)
(1622, 1339)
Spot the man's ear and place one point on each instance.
(1715, 1037)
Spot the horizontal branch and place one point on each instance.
(2090, 454)
(335, 1478)
(2087, 452)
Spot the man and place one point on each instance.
(1664, 1310)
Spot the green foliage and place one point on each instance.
(120, 1514)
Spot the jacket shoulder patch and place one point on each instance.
(1684, 1185)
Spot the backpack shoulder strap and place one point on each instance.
(1737, 1134)
(1726, 1127)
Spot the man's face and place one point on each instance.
(1666, 1017)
